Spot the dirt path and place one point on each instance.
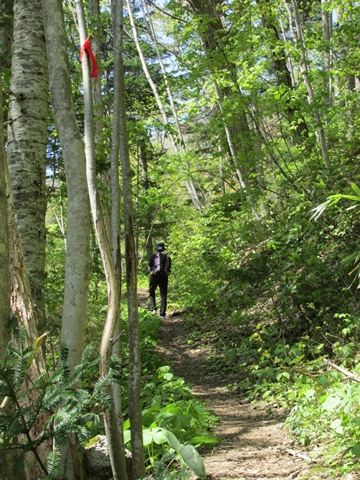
(253, 444)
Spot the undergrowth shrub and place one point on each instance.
(171, 417)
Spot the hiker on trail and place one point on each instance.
(160, 268)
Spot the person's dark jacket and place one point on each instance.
(165, 263)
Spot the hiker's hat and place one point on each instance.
(159, 247)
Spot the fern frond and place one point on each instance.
(52, 463)
(101, 384)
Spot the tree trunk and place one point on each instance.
(115, 199)
(189, 184)
(326, 21)
(78, 219)
(306, 77)
(8, 458)
(4, 238)
(238, 133)
(138, 467)
(114, 436)
(27, 139)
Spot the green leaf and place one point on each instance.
(201, 439)
(355, 450)
(331, 402)
(193, 460)
(356, 189)
(159, 436)
(184, 420)
(297, 359)
(172, 440)
(127, 436)
(147, 437)
(164, 369)
(336, 424)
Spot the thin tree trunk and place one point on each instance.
(78, 218)
(326, 21)
(188, 183)
(305, 74)
(228, 137)
(138, 463)
(145, 186)
(114, 436)
(27, 140)
(115, 197)
(99, 135)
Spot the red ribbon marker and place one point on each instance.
(87, 48)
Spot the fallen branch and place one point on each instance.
(300, 455)
(342, 370)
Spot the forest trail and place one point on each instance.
(253, 442)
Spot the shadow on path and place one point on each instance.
(253, 445)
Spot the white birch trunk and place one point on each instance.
(78, 218)
(16, 299)
(27, 139)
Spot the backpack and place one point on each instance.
(161, 264)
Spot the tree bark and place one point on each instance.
(304, 66)
(138, 466)
(27, 139)
(114, 435)
(115, 196)
(78, 218)
(238, 133)
(6, 460)
(4, 237)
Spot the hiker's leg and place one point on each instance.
(163, 283)
(152, 288)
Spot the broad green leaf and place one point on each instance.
(172, 440)
(159, 436)
(193, 460)
(164, 369)
(184, 420)
(147, 437)
(331, 402)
